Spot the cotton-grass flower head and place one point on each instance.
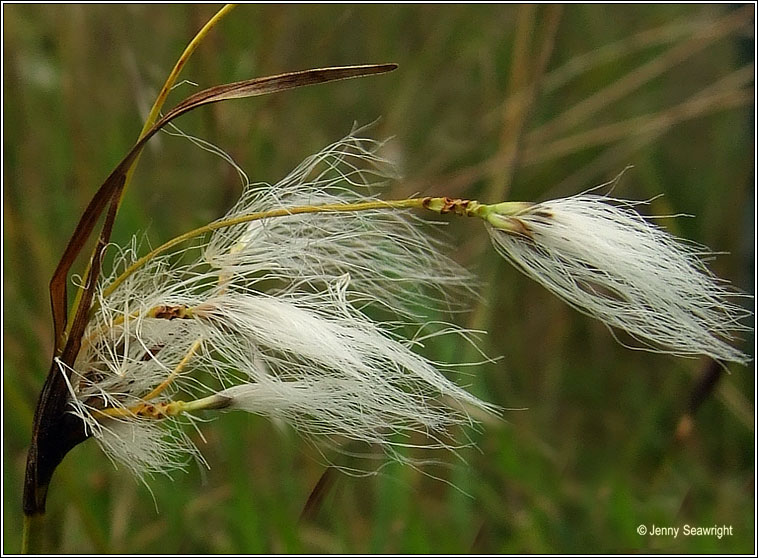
(272, 312)
(604, 259)
(271, 316)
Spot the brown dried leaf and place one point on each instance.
(54, 431)
(115, 181)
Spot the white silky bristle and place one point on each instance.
(604, 259)
(278, 313)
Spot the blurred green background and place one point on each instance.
(490, 102)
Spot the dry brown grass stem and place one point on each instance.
(635, 79)
(523, 88)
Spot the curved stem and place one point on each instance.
(282, 212)
(149, 122)
(178, 370)
(155, 111)
(152, 118)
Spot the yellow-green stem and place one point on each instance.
(496, 214)
(491, 213)
(178, 370)
(152, 119)
(32, 539)
(155, 111)
(174, 75)
(283, 212)
(166, 409)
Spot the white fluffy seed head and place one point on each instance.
(389, 255)
(599, 255)
(343, 373)
(279, 323)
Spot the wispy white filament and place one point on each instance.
(599, 255)
(277, 316)
(279, 323)
(389, 255)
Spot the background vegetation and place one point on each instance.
(523, 102)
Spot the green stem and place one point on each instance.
(31, 541)
(495, 214)
(152, 118)
(282, 212)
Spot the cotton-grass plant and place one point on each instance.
(269, 316)
(267, 310)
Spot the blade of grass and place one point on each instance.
(318, 494)
(641, 75)
(515, 123)
(535, 151)
(149, 122)
(606, 54)
(622, 153)
(695, 107)
(524, 87)
(54, 431)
